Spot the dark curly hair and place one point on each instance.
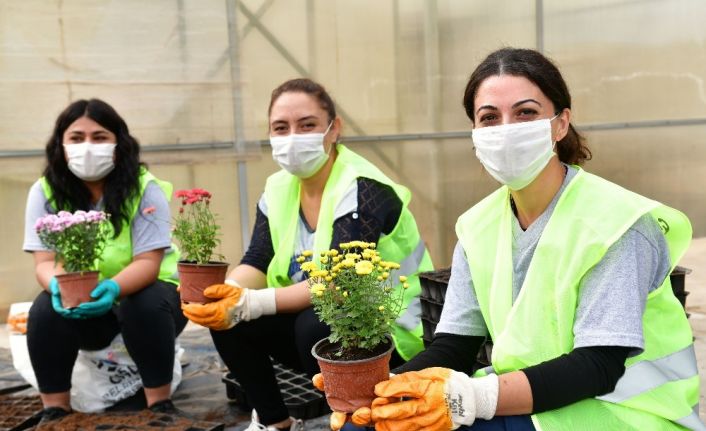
(543, 73)
(122, 184)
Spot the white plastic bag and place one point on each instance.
(100, 378)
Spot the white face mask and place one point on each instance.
(300, 154)
(90, 162)
(516, 153)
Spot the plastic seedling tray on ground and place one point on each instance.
(301, 398)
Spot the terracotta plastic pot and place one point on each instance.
(350, 385)
(76, 287)
(194, 278)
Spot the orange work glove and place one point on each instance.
(360, 417)
(234, 304)
(433, 399)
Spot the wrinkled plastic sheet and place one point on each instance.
(201, 394)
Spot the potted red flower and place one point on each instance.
(77, 239)
(197, 232)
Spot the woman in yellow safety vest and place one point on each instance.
(566, 273)
(93, 163)
(324, 195)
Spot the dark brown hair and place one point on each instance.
(307, 86)
(542, 72)
(69, 192)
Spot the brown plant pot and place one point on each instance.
(194, 278)
(76, 287)
(349, 385)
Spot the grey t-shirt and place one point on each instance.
(612, 295)
(149, 232)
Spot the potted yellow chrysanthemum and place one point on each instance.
(352, 292)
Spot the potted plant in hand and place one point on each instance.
(197, 233)
(77, 239)
(352, 292)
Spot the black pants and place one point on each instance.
(149, 321)
(288, 338)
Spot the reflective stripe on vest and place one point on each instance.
(412, 316)
(646, 375)
(402, 245)
(692, 421)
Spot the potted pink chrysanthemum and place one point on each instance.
(77, 239)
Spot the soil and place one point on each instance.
(142, 420)
(18, 410)
(329, 351)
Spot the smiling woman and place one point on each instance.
(565, 272)
(93, 164)
(324, 195)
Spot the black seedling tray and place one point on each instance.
(301, 398)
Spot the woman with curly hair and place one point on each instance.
(93, 163)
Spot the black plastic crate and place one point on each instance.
(301, 398)
(677, 277)
(434, 283)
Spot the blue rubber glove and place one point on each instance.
(105, 295)
(56, 300)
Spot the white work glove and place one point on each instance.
(433, 399)
(233, 305)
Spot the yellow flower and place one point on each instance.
(338, 287)
(320, 293)
(345, 294)
(405, 285)
(308, 266)
(318, 273)
(352, 256)
(376, 259)
(317, 287)
(345, 245)
(324, 259)
(333, 252)
(381, 308)
(307, 253)
(328, 278)
(363, 267)
(385, 275)
(380, 278)
(347, 263)
(403, 278)
(371, 245)
(337, 258)
(301, 259)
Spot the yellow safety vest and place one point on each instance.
(403, 244)
(117, 253)
(660, 387)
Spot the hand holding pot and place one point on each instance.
(435, 399)
(104, 296)
(56, 300)
(337, 420)
(233, 305)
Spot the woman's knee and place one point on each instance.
(146, 304)
(41, 313)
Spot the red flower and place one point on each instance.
(181, 193)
